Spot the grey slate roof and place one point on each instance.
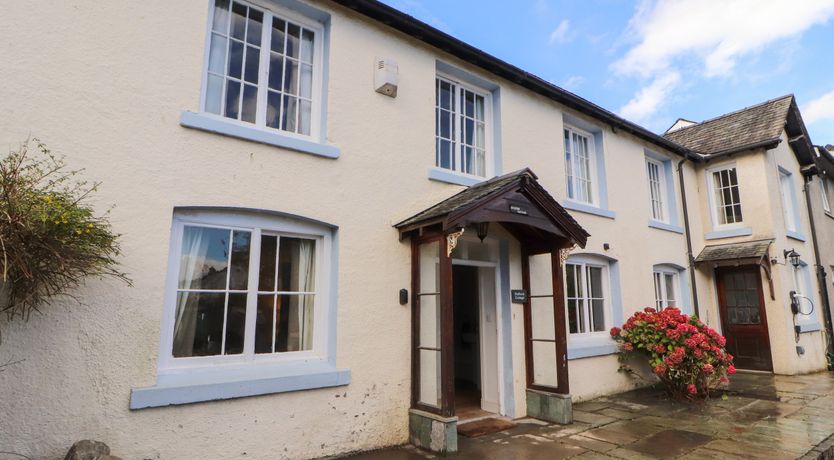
(481, 191)
(735, 131)
(734, 251)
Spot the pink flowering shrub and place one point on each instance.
(685, 354)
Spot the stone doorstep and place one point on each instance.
(822, 451)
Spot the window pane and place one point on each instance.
(598, 315)
(266, 273)
(444, 124)
(253, 33)
(273, 110)
(595, 278)
(276, 71)
(289, 113)
(670, 287)
(252, 63)
(291, 77)
(430, 377)
(264, 325)
(296, 265)
(198, 327)
(221, 16)
(294, 323)
(239, 274)
(235, 59)
(235, 324)
(307, 46)
(479, 108)
(569, 277)
(304, 117)
(306, 81)
(469, 104)
(250, 103)
(204, 258)
(278, 27)
(445, 154)
(293, 35)
(238, 20)
(658, 290)
(217, 54)
(214, 94)
(573, 314)
(445, 95)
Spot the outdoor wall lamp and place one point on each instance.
(482, 229)
(793, 256)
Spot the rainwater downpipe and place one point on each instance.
(689, 257)
(820, 274)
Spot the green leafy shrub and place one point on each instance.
(50, 238)
(685, 354)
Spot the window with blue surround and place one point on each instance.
(586, 188)
(671, 287)
(264, 75)
(467, 127)
(593, 304)
(790, 208)
(662, 197)
(725, 203)
(250, 297)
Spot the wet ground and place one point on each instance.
(763, 416)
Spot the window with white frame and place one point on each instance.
(244, 287)
(579, 165)
(462, 120)
(826, 204)
(726, 200)
(665, 289)
(263, 68)
(788, 200)
(586, 287)
(657, 187)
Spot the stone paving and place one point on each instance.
(763, 417)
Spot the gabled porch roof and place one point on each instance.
(515, 200)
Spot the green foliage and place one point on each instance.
(50, 237)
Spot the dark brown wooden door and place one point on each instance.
(743, 317)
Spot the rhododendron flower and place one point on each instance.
(731, 369)
(649, 310)
(660, 369)
(692, 389)
(708, 369)
(628, 346)
(615, 331)
(660, 349)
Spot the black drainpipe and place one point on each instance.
(820, 273)
(689, 257)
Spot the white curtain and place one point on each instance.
(194, 248)
(306, 283)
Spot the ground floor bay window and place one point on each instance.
(247, 293)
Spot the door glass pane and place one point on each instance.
(430, 323)
(542, 318)
(544, 364)
(430, 377)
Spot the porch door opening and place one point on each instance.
(475, 341)
(743, 317)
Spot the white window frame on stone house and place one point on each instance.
(219, 30)
(666, 280)
(658, 202)
(574, 169)
(578, 282)
(824, 193)
(718, 219)
(457, 131)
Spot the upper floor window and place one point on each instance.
(586, 297)
(665, 289)
(726, 201)
(789, 208)
(245, 287)
(826, 204)
(657, 188)
(263, 68)
(579, 166)
(462, 120)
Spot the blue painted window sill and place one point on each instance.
(795, 236)
(718, 234)
(809, 327)
(604, 346)
(452, 177)
(664, 226)
(218, 125)
(588, 209)
(216, 384)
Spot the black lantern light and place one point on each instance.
(793, 256)
(483, 229)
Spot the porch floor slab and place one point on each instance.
(763, 416)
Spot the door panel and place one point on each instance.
(489, 340)
(743, 317)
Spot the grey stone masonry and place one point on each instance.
(433, 432)
(551, 407)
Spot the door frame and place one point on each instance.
(722, 309)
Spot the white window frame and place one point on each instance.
(489, 150)
(661, 190)
(255, 223)
(584, 263)
(660, 290)
(593, 177)
(712, 197)
(786, 190)
(271, 10)
(826, 204)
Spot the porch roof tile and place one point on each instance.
(733, 251)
